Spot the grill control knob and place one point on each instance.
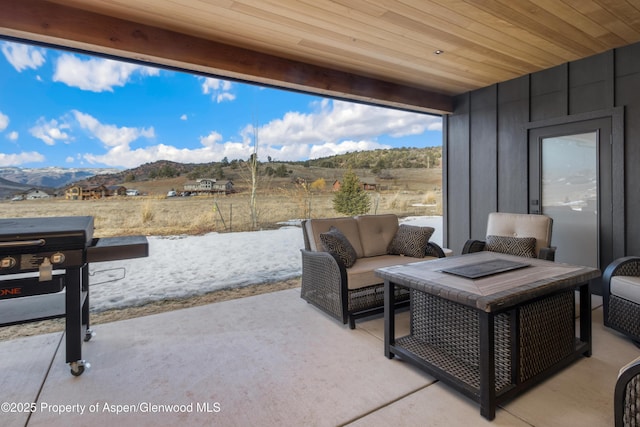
(7, 262)
(57, 258)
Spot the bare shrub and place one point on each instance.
(393, 202)
(147, 212)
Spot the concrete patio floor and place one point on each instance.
(272, 360)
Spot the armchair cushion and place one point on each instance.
(337, 243)
(410, 240)
(521, 225)
(519, 246)
(627, 287)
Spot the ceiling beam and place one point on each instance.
(59, 25)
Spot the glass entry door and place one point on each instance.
(570, 181)
(570, 195)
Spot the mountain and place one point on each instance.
(52, 177)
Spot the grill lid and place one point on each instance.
(45, 234)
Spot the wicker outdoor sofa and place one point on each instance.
(344, 285)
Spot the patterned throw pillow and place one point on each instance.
(410, 240)
(337, 243)
(520, 246)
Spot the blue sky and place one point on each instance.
(64, 109)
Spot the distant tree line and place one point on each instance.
(164, 171)
(377, 160)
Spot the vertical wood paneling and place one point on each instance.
(513, 111)
(483, 187)
(627, 68)
(458, 205)
(549, 93)
(590, 84)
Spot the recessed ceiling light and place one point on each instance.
(438, 52)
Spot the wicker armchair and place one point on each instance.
(508, 233)
(621, 296)
(332, 287)
(626, 400)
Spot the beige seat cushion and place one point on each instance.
(376, 233)
(521, 225)
(627, 287)
(362, 273)
(347, 225)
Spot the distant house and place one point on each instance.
(367, 186)
(223, 187)
(73, 193)
(80, 192)
(209, 186)
(117, 190)
(34, 194)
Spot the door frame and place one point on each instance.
(618, 226)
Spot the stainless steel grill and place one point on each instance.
(41, 257)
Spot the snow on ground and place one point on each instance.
(181, 266)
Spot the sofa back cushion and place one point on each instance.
(376, 233)
(347, 225)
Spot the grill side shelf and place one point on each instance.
(117, 248)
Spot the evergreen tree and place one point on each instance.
(351, 199)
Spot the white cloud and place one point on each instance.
(95, 74)
(335, 127)
(125, 157)
(51, 131)
(183, 117)
(220, 90)
(22, 56)
(13, 136)
(20, 158)
(211, 140)
(338, 127)
(69, 159)
(4, 121)
(213, 149)
(111, 135)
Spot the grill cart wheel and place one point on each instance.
(88, 335)
(77, 368)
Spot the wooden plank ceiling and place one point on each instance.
(380, 51)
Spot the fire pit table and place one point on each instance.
(490, 325)
(40, 257)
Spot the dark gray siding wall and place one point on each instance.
(486, 147)
(627, 93)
